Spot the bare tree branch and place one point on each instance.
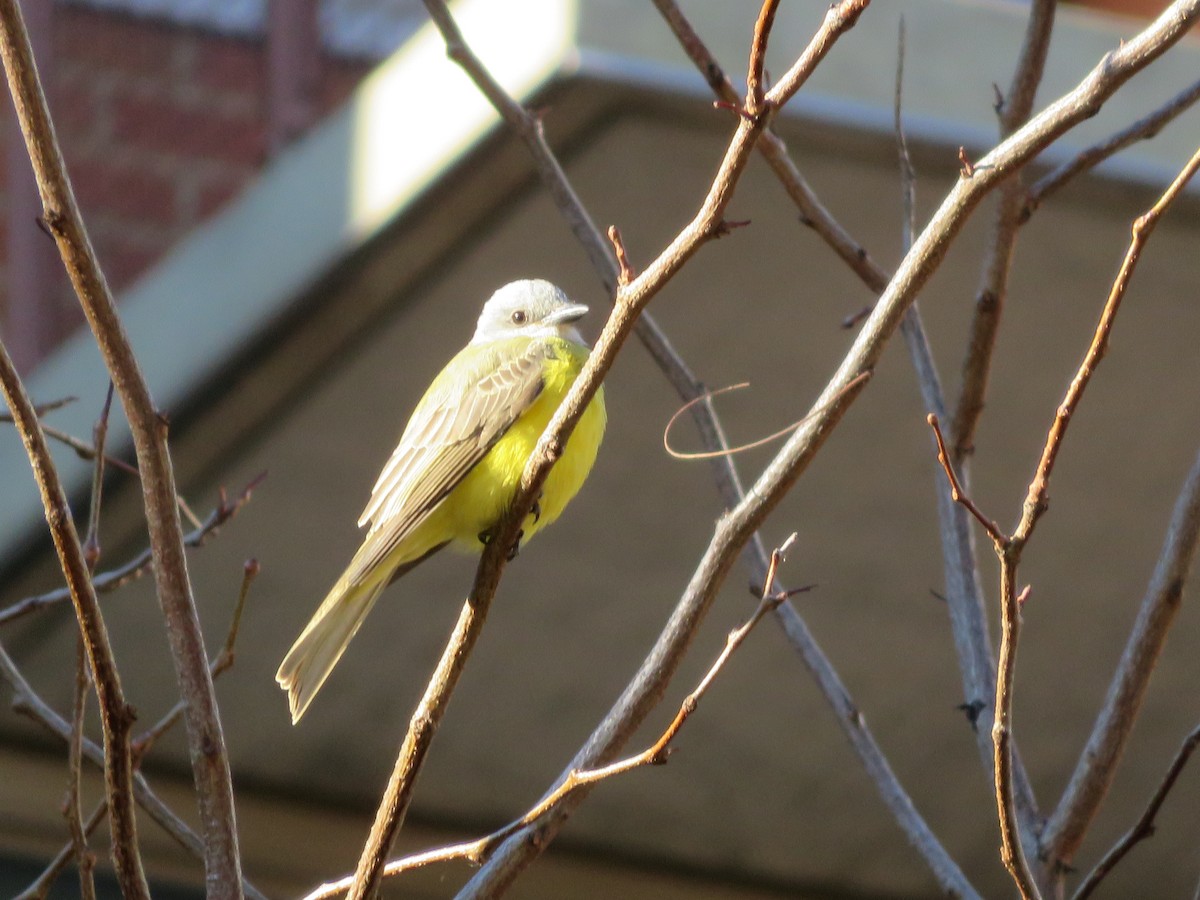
(116, 715)
(478, 851)
(27, 702)
(41, 885)
(965, 596)
(1097, 763)
(1009, 550)
(1145, 825)
(74, 808)
(138, 566)
(707, 225)
(1013, 111)
(210, 763)
(1141, 130)
(917, 266)
(773, 149)
(91, 554)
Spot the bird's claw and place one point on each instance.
(516, 548)
(486, 537)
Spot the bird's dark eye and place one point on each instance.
(519, 317)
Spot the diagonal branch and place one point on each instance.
(27, 701)
(1144, 827)
(1097, 764)
(658, 753)
(1141, 130)
(206, 742)
(139, 565)
(631, 298)
(116, 716)
(916, 268)
(773, 149)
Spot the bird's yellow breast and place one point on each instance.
(482, 497)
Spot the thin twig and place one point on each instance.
(116, 716)
(40, 887)
(1141, 130)
(91, 554)
(42, 408)
(916, 268)
(140, 564)
(28, 702)
(216, 667)
(773, 149)
(480, 849)
(959, 563)
(707, 224)
(956, 492)
(74, 806)
(1143, 227)
(206, 742)
(1144, 827)
(1009, 551)
(1013, 111)
(1096, 767)
(91, 543)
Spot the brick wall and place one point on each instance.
(160, 126)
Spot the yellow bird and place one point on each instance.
(459, 462)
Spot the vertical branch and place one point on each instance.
(116, 716)
(959, 565)
(91, 553)
(210, 764)
(74, 806)
(1013, 111)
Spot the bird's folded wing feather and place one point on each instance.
(466, 411)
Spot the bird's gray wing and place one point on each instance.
(469, 407)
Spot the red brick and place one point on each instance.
(105, 186)
(107, 40)
(187, 129)
(229, 64)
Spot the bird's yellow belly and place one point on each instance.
(483, 496)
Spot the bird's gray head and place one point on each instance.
(531, 308)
